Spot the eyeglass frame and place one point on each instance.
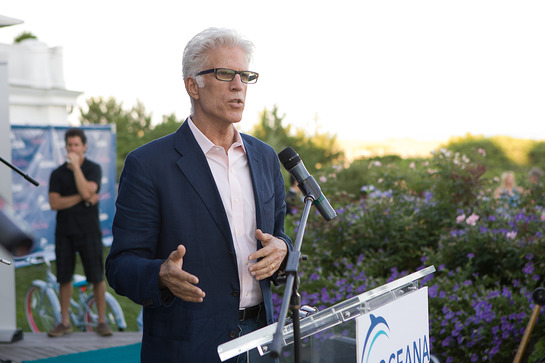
(215, 71)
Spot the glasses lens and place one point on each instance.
(225, 74)
(248, 77)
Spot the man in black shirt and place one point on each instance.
(73, 193)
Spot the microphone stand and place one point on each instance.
(292, 284)
(9, 230)
(22, 173)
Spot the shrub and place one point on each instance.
(485, 252)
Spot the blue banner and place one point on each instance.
(37, 151)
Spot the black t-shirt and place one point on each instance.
(80, 218)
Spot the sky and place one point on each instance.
(361, 70)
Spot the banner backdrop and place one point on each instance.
(37, 151)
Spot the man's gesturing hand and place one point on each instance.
(272, 254)
(179, 282)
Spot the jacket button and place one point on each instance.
(232, 334)
(235, 293)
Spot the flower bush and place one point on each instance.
(489, 257)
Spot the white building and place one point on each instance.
(32, 91)
(36, 88)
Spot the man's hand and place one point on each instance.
(94, 199)
(272, 254)
(179, 282)
(73, 161)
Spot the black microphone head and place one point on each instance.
(289, 158)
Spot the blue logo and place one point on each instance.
(376, 330)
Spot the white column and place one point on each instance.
(8, 321)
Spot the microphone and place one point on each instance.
(306, 182)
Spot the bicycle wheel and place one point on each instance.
(114, 314)
(42, 307)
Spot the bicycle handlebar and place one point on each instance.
(36, 260)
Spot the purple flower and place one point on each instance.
(528, 268)
(493, 294)
(432, 291)
(448, 341)
(494, 350)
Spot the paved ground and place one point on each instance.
(39, 345)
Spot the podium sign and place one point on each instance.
(360, 305)
(396, 332)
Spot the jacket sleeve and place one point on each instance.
(132, 268)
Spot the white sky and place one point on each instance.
(368, 70)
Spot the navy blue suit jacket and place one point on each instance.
(167, 196)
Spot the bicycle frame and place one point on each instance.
(83, 313)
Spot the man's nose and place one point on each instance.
(236, 83)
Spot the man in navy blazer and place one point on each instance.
(199, 223)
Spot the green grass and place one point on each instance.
(25, 275)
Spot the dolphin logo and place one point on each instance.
(376, 329)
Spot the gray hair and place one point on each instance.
(196, 50)
(536, 173)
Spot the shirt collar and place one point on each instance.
(205, 143)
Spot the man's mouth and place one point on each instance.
(237, 101)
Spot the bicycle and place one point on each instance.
(43, 309)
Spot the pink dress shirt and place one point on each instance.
(232, 176)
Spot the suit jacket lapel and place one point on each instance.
(256, 165)
(193, 165)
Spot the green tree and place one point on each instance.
(132, 125)
(23, 36)
(270, 129)
(318, 150)
(168, 125)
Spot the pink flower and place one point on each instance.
(323, 179)
(460, 218)
(511, 234)
(481, 151)
(472, 219)
(543, 217)
(374, 163)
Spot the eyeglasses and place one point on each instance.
(227, 75)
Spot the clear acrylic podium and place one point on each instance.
(331, 317)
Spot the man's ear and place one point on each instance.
(192, 87)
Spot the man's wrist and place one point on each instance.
(282, 267)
